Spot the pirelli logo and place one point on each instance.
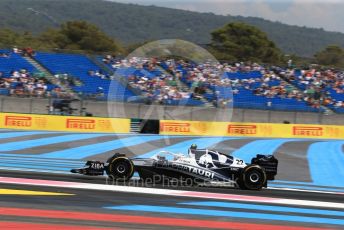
(242, 129)
(175, 127)
(307, 131)
(80, 124)
(18, 121)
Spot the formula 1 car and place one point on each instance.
(199, 166)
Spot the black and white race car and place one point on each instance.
(199, 166)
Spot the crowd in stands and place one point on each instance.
(320, 87)
(310, 86)
(160, 89)
(155, 85)
(170, 80)
(316, 88)
(99, 73)
(26, 51)
(207, 76)
(22, 83)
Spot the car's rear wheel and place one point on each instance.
(120, 167)
(253, 177)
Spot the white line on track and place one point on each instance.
(305, 190)
(34, 170)
(169, 192)
(137, 178)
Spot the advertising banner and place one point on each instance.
(199, 128)
(64, 123)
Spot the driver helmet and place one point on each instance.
(193, 146)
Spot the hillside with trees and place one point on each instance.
(131, 23)
(71, 36)
(331, 56)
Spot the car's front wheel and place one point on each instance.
(120, 167)
(253, 177)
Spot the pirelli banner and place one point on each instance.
(172, 127)
(64, 123)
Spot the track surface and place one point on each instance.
(45, 158)
(136, 209)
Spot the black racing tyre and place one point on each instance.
(120, 167)
(253, 177)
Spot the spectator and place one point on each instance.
(28, 52)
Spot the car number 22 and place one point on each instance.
(239, 162)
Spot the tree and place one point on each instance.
(76, 36)
(80, 35)
(332, 55)
(242, 42)
(8, 38)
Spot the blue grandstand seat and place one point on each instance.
(78, 65)
(14, 62)
(246, 98)
(243, 75)
(4, 92)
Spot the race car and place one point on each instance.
(199, 166)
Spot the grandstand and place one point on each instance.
(20, 78)
(79, 67)
(177, 82)
(331, 82)
(244, 86)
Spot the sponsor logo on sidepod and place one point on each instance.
(187, 168)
